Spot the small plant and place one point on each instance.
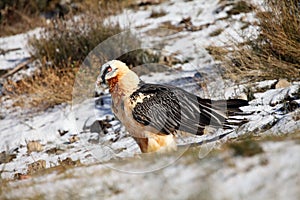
(240, 7)
(216, 32)
(156, 14)
(246, 148)
(46, 88)
(6, 157)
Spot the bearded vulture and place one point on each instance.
(155, 114)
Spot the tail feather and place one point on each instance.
(233, 111)
(230, 108)
(233, 105)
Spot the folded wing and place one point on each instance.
(168, 109)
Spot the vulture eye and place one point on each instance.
(107, 70)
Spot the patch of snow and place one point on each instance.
(16, 131)
(245, 178)
(274, 96)
(185, 43)
(19, 42)
(254, 177)
(287, 124)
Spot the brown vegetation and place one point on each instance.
(275, 53)
(61, 49)
(46, 88)
(246, 148)
(19, 16)
(156, 14)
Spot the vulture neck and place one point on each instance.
(124, 83)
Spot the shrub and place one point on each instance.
(65, 42)
(61, 49)
(274, 53)
(46, 88)
(18, 16)
(22, 15)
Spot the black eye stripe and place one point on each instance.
(107, 69)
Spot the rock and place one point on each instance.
(100, 126)
(282, 83)
(292, 105)
(34, 146)
(95, 127)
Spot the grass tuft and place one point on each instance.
(216, 32)
(246, 148)
(240, 7)
(64, 43)
(274, 53)
(156, 14)
(46, 88)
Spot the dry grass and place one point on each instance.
(216, 32)
(46, 88)
(246, 148)
(157, 13)
(22, 15)
(275, 53)
(240, 7)
(61, 49)
(19, 16)
(64, 42)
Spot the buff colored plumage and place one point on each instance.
(155, 114)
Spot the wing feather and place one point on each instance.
(168, 108)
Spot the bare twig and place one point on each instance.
(5, 51)
(17, 68)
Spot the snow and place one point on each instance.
(184, 43)
(275, 96)
(210, 178)
(19, 42)
(286, 124)
(259, 181)
(113, 167)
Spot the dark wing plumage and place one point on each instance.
(168, 108)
